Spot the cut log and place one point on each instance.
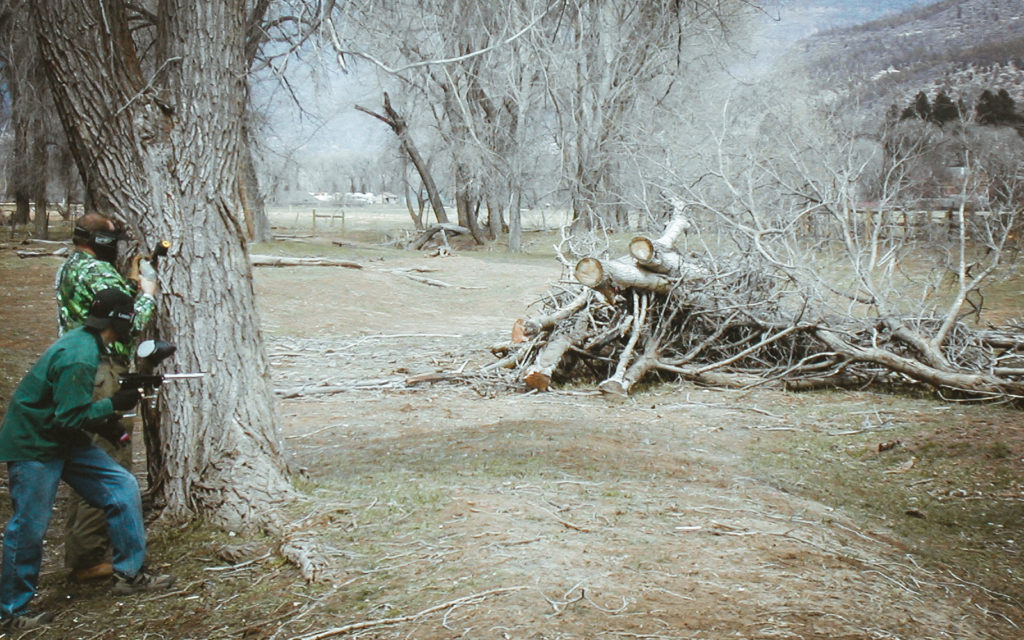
(536, 324)
(659, 254)
(518, 331)
(283, 261)
(539, 375)
(602, 275)
(651, 255)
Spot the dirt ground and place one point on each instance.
(471, 511)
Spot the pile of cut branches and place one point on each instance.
(657, 314)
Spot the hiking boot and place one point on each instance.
(142, 581)
(95, 572)
(26, 622)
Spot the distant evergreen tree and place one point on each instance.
(922, 108)
(944, 110)
(1007, 108)
(998, 110)
(984, 108)
(987, 110)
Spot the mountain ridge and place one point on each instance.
(960, 47)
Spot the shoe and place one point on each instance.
(95, 572)
(142, 581)
(29, 621)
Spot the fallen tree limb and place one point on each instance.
(309, 390)
(284, 261)
(63, 251)
(442, 228)
(536, 324)
(539, 375)
(617, 383)
(357, 626)
(429, 281)
(622, 273)
(976, 382)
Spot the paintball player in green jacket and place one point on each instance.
(44, 439)
(89, 270)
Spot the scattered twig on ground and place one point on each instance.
(366, 624)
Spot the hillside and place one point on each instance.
(962, 46)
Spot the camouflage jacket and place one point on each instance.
(79, 279)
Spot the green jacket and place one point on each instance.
(53, 402)
(79, 279)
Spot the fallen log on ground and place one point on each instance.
(444, 229)
(611, 275)
(60, 253)
(284, 261)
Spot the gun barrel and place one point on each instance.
(159, 251)
(182, 376)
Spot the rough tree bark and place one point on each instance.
(161, 152)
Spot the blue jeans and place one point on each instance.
(93, 475)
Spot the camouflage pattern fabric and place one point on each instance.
(79, 279)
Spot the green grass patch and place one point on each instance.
(947, 481)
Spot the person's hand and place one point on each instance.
(113, 432)
(124, 399)
(143, 274)
(133, 268)
(147, 286)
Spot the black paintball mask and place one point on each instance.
(112, 308)
(102, 242)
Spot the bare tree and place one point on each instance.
(397, 123)
(32, 119)
(612, 66)
(533, 90)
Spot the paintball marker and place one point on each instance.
(147, 267)
(159, 252)
(153, 352)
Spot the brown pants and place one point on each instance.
(86, 542)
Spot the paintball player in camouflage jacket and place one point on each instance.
(89, 270)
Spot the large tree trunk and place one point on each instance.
(515, 224)
(467, 204)
(163, 153)
(40, 164)
(19, 172)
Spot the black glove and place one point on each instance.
(112, 431)
(124, 399)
